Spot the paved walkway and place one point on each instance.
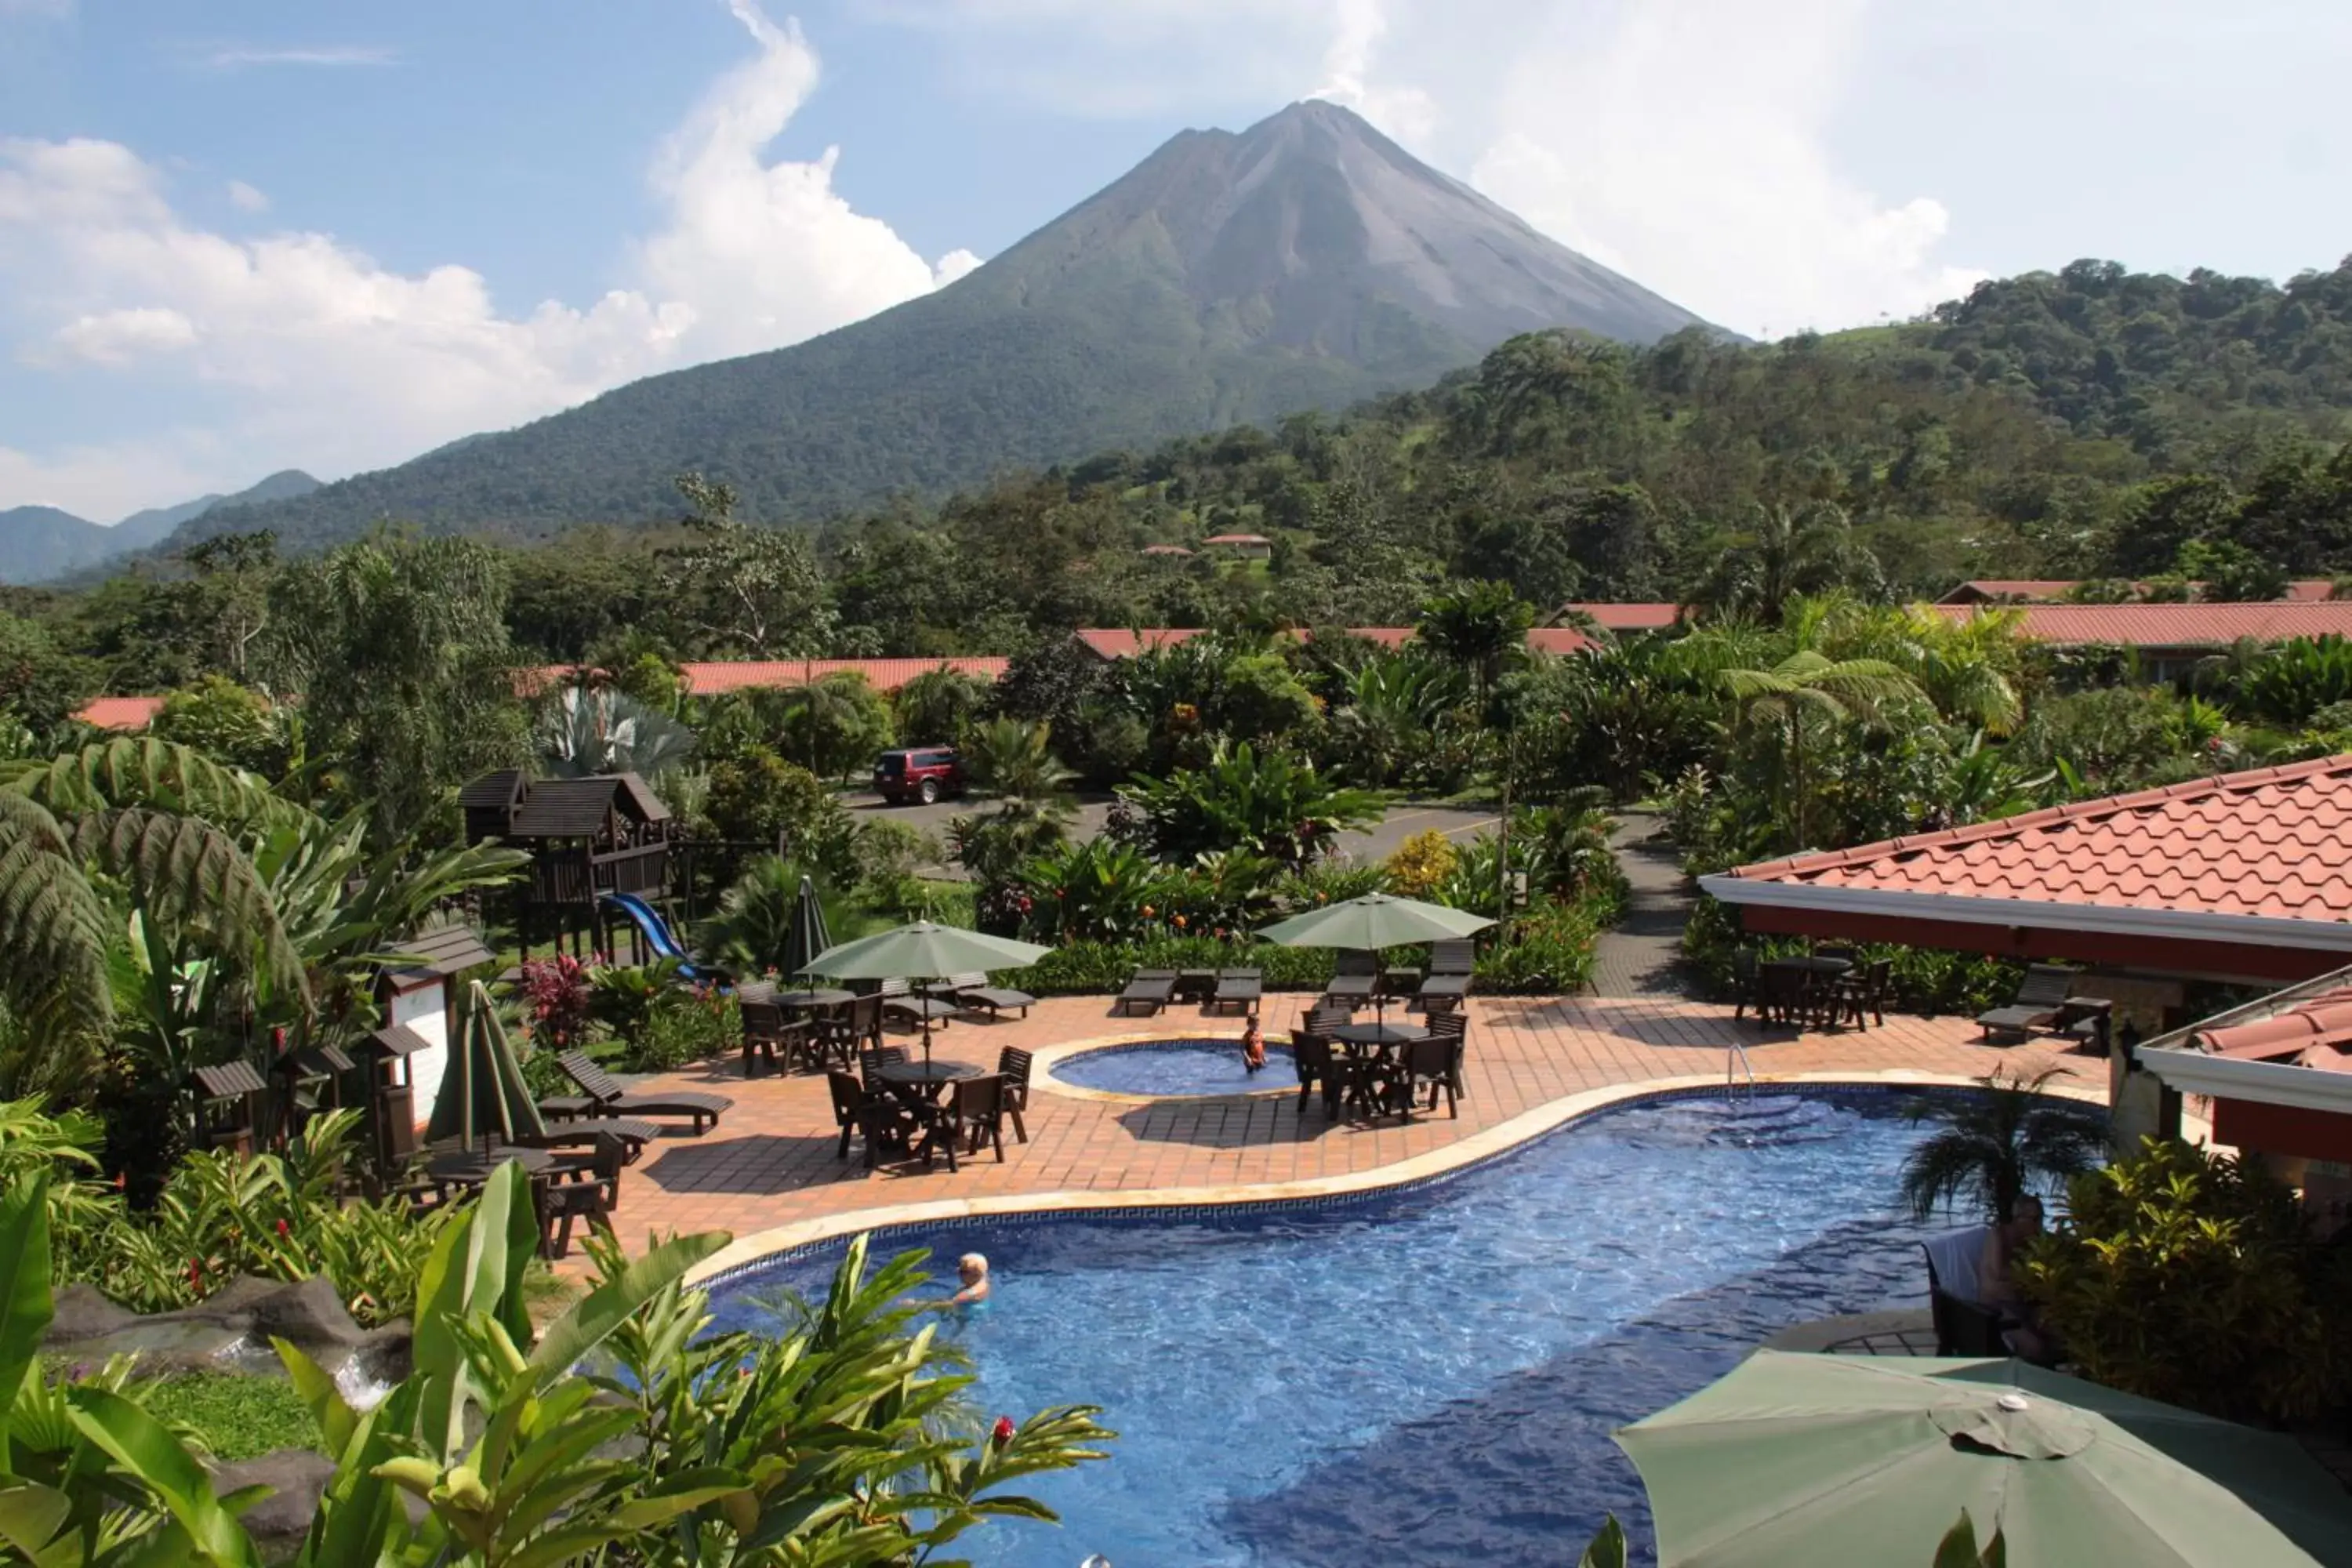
(771, 1162)
(1641, 956)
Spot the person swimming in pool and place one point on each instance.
(1252, 1046)
(972, 1271)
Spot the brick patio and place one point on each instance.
(771, 1162)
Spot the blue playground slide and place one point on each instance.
(649, 920)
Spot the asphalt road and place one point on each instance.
(1376, 842)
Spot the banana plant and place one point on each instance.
(850, 1433)
(87, 1477)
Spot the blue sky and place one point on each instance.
(240, 237)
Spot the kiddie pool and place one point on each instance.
(1187, 1067)
(1421, 1376)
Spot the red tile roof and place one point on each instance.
(1113, 642)
(2314, 1033)
(2268, 844)
(2169, 625)
(1631, 617)
(2050, 590)
(121, 712)
(1237, 539)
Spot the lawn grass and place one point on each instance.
(237, 1417)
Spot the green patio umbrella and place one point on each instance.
(807, 937)
(1791, 1461)
(482, 1090)
(923, 950)
(1373, 921)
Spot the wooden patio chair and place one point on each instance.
(1013, 1065)
(973, 1115)
(580, 1188)
(1319, 1067)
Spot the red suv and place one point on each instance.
(917, 773)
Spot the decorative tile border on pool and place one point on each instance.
(785, 1244)
(1055, 1056)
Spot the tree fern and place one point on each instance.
(140, 771)
(185, 869)
(54, 927)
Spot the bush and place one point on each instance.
(2193, 1279)
(682, 1026)
(557, 997)
(756, 797)
(220, 1215)
(1549, 948)
(1929, 981)
(226, 722)
(1421, 864)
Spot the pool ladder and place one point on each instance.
(1735, 1062)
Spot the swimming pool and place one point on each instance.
(1421, 1377)
(1179, 1067)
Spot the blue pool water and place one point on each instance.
(1177, 1067)
(1428, 1377)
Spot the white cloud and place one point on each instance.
(299, 350)
(118, 337)
(236, 56)
(1407, 114)
(1687, 145)
(245, 199)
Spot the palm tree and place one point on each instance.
(1783, 552)
(1809, 684)
(584, 730)
(1995, 1147)
(1013, 765)
(1482, 627)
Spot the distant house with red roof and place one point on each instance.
(120, 713)
(2054, 590)
(1110, 642)
(2169, 638)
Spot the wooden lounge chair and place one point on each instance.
(2042, 1003)
(1151, 990)
(969, 991)
(899, 1001)
(1354, 974)
(632, 1133)
(1240, 989)
(1451, 964)
(605, 1095)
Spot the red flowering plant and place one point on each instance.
(556, 993)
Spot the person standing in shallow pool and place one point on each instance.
(971, 1270)
(1253, 1044)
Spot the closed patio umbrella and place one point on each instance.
(1791, 1461)
(806, 936)
(482, 1090)
(923, 950)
